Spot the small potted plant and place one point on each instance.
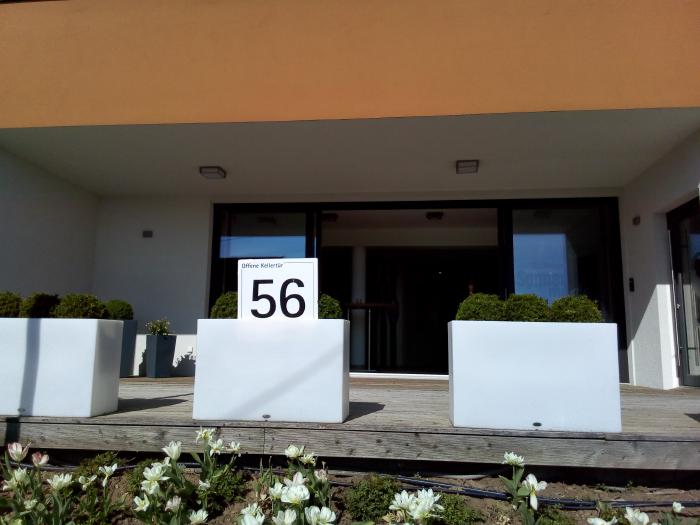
(160, 348)
(122, 311)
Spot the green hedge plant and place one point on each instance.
(576, 309)
(80, 306)
(10, 304)
(329, 308)
(369, 498)
(457, 512)
(38, 305)
(481, 307)
(119, 310)
(526, 307)
(225, 307)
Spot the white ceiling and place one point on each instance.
(585, 151)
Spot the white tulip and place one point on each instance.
(60, 481)
(677, 507)
(234, 448)
(141, 505)
(636, 517)
(173, 450)
(156, 472)
(108, 471)
(85, 482)
(30, 504)
(402, 501)
(205, 435)
(308, 459)
(40, 459)
(253, 508)
(276, 491)
(534, 487)
(16, 452)
(216, 447)
(421, 511)
(173, 504)
(327, 516)
(321, 475)
(20, 476)
(294, 452)
(511, 458)
(601, 521)
(252, 519)
(429, 498)
(203, 486)
(298, 479)
(295, 494)
(288, 517)
(199, 516)
(150, 487)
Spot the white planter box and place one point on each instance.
(275, 370)
(534, 376)
(59, 367)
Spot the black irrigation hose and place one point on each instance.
(562, 503)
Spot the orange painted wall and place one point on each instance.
(76, 62)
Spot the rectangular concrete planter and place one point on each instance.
(272, 370)
(59, 367)
(126, 368)
(534, 376)
(160, 351)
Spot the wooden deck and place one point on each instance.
(389, 419)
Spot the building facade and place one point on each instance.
(339, 130)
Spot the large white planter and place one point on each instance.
(274, 370)
(534, 376)
(59, 367)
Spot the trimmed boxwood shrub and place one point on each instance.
(329, 308)
(576, 309)
(80, 306)
(369, 498)
(526, 307)
(119, 310)
(457, 512)
(38, 305)
(10, 304)
(481, 307)
(225, 307)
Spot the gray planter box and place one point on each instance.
(126, 367)
(160, 351)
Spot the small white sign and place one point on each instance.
(278, 289)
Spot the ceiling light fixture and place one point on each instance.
(212, 172)
(434, 215)
(466, 166)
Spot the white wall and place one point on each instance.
(166, 275)
(670, 182)
(47, 231)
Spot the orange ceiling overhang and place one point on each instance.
(87, 62)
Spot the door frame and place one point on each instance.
(673, 220)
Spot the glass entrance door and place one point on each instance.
(684, 230)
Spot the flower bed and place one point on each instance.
(164, 491)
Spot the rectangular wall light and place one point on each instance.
(212, 172)
(466, 166)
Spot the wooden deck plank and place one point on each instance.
(389, 419)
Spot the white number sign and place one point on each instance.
(278, 288)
